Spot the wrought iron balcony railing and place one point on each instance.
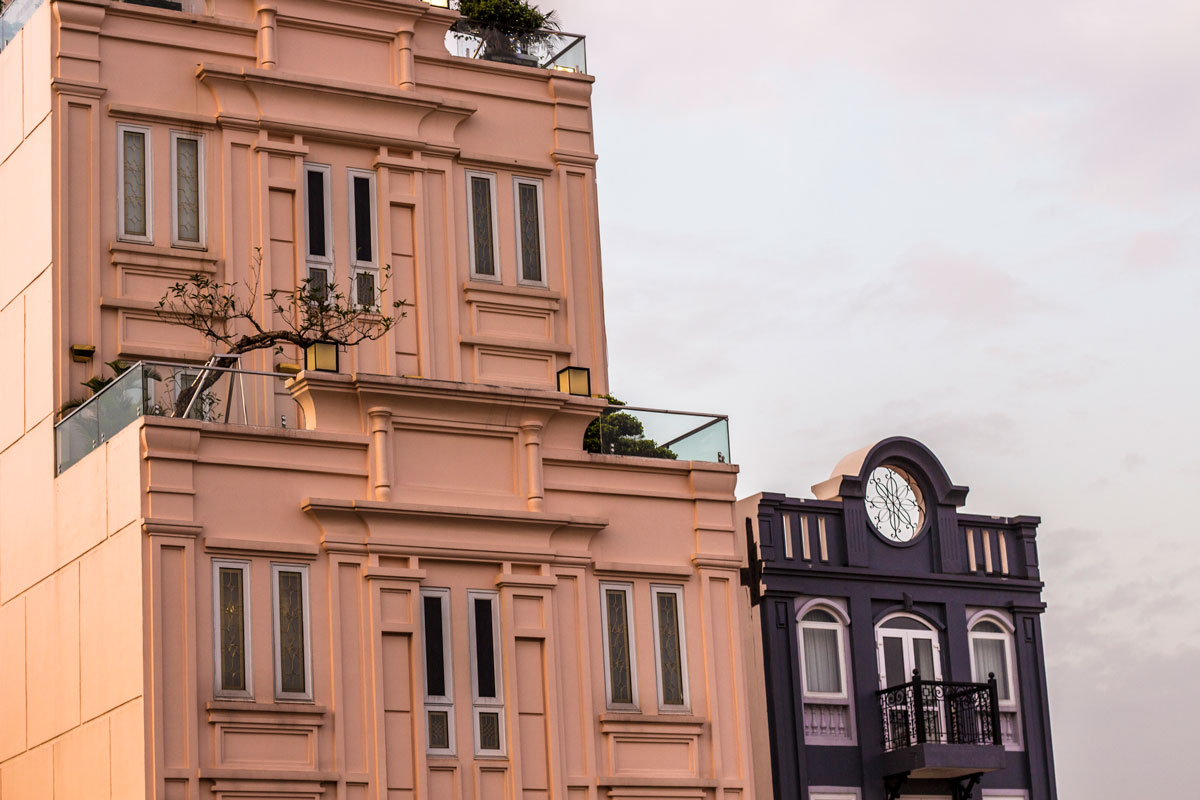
(939, 712)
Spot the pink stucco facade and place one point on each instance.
(440, 463)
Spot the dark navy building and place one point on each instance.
(901, 639)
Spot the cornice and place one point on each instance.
(503, 517)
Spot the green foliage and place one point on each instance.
(509, 16)
(623, 435)
(96, 383)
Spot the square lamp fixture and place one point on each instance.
(575, 380)
(321, 357)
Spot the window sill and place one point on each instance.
(245, 710)
(615, 722)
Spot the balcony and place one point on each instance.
(14, 17)
(544, 49)
(207, 393)
(939, 729)
(659, 433)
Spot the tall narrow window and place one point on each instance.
(293, 654)
(187, 190)
(482, 225)
(821, 646)
(616, 613)
(531, 255)
(990, 656)
(670, 647)
(318, 227)
(364, 266)
(439, 690)
(231, 629)
(135, 210)
(487, 695)
(827, 701)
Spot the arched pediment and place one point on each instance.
(849, 477)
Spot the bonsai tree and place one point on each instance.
(622, 434)
(236, 319)
(506, 28)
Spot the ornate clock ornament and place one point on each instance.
(894, 504)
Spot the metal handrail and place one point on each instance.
(940, 712)
(173, 364)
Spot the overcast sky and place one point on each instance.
(974, 223)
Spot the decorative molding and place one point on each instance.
(168, 527)
(523, 345)
(147, 114)
(289, 549)
(627, 570)
(489, 161)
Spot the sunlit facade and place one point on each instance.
(396, 574)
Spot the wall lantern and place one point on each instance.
(575, 380)
(321, 356)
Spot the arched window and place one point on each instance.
(824, 665)
(825, 683)
(991, 654)
(907, 643)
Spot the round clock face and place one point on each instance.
(894, 504)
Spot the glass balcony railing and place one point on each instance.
(546, 49)
(14, 17)
(184, 391)
(659, 433)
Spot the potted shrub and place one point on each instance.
(507, 29)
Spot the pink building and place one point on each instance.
(405, 579)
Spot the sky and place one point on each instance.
(977, 224)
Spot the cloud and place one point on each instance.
(1155, 251)
(963, 289)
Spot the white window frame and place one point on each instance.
(356, 266)
(305, 696)
(839, 627)
(201, 243)
(655, 590)
(928, 632)
(1005, 636)
(440, 702)
(491, 179)
(148, 238)
(518, 181)
(627, 590)
(835, 793)
(486, 704)
(322, 262)
(247, 631)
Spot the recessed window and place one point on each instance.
(616, 613)
(906, 644)
(531, 244)
(824, 672)
(487, 690)
(187, 189)
(439, 676)
(670, 647)
(482, 225)
(293, 653)
(231, 629)
(135, 210)
(990, 656)
(318, 228)
(364, 262)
